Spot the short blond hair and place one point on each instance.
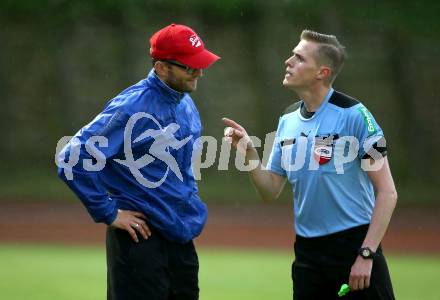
(330, 52)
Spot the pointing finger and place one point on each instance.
(232, 124)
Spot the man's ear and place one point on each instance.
(324, 73)
(161, 68)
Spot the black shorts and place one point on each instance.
(153, 269)
(323, 264)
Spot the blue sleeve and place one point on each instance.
(367, 131)
(86, 184)
(274, 162)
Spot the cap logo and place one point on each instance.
(195, 41)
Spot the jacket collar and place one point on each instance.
(170, 93)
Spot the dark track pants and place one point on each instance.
(323, 264)
(153, 269)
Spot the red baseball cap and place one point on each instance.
(181, 43)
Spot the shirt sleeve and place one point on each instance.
(86, 184)
(371, 138)
(274, 162)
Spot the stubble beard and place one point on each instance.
(181, 85)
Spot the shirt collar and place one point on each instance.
(172, 94)
(321, 107)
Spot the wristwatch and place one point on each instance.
(366, 253)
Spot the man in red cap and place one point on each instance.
(146, 193)
(179, 46)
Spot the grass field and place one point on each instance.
(59, 272)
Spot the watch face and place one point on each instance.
(365, 253)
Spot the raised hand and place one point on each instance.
(237, 136)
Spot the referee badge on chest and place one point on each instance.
(323, 148)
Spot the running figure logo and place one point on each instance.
(164, 139)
